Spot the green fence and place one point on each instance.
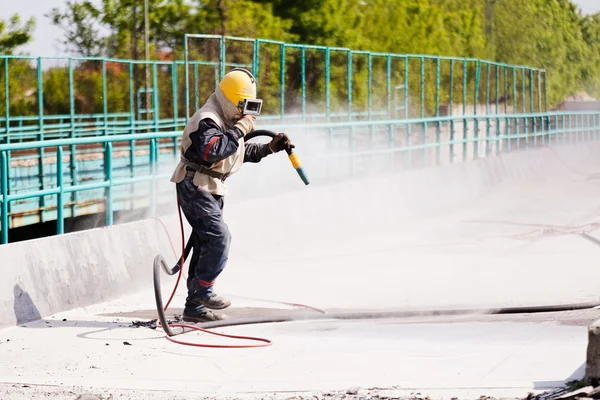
(330, 81)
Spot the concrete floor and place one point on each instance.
(504, 356)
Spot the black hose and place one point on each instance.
(160, 263)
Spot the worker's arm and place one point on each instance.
(211, 144)
(256, 152)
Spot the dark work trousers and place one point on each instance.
(211, 238)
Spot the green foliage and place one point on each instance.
(13, 35)
(79, 23)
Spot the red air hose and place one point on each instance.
(167, 327)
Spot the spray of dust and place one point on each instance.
(377, 232)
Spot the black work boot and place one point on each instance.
(214, 302)
(193, 315)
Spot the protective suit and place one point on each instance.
(212, 149)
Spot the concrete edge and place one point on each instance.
(44, 276)
(592, 363)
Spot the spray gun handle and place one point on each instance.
(291, 155)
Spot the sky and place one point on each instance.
(46, 36)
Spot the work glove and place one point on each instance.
(281, 142)
(245, 124)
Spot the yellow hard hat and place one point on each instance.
(238, 85)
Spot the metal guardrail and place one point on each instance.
(423, 141)
(428, 80)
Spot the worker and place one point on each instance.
(212, 149)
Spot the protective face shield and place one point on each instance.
(252, 107)
(239, 87)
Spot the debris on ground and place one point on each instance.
(575, 391)
(153, 323)
(144, 324)
(353, 390)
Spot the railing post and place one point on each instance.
(370, 94)
(465, 100)
(422, 87)
(370, 85)
(328, 94)
(255, 54)
(108, 180)
(388, 75)
(4, 190)
(153, 162)
(186, 75)
(223, 57)
(475, 102)
(465, 84)
(539, 90)
(303, 80)
(349, 86)
(104, 97)
(487, 109)
(7, 99)
(282, 79)
(175, 82)
(451, 111)
(60, 218)
(155, 99)
(437, 86)
(515, 106)
(545, 92)
(40, 83)
(7, 118)
(406, 72)
(327, 84)
(72, 148)
(132, 122)
(506, 120)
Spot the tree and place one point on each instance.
(80, 23)
(13, 35)
(169, 21)
(544, 34)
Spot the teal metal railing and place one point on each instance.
(349, 80)
(406, 143)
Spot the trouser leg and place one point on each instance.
(211, 243)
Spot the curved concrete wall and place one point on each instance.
(44, 276)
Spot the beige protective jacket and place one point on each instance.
(223, 113)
